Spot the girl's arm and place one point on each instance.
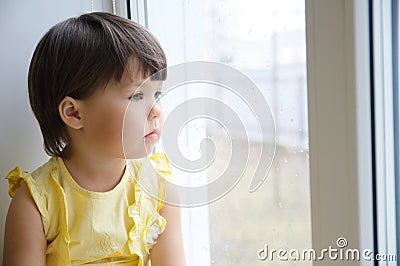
(168, 251)
(24, 239)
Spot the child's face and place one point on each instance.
(113, 129)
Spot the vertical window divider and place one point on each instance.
(396, 111)
(384, 108)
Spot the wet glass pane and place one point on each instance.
(264, 40)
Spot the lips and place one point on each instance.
(153, 135)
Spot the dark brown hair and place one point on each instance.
(80, 55)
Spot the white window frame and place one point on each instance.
(339, 102)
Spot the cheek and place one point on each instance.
(134, 126)
(133, 136)
(107, 127)
(103, 121)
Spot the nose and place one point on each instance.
(155, 111)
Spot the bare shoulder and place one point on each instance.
(24, 238)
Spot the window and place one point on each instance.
(352, 161)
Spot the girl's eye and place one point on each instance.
(158, 94)
(136, 97)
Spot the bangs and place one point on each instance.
(114, 41)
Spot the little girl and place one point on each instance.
(84, 206)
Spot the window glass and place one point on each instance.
(265, 40)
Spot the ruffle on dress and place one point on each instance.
(15, 177)
(149, 187)
(151, 176)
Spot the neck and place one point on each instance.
(93, 172)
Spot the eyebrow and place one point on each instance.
(132, 87)
(134, 83)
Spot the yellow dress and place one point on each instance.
(117, 227)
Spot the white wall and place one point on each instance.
(22, 23)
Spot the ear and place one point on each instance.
(69, 112)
